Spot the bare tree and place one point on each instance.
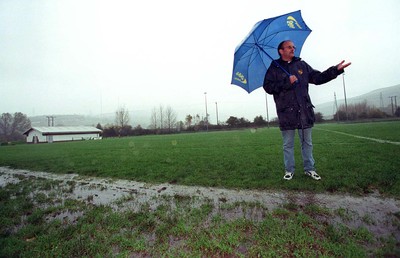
(170, 116)
(161, 115)
(196, 119)
(13, 127)
(153, 119)
(122, 117)
(5, 126)
(163, 118)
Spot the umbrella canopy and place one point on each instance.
(256, 52)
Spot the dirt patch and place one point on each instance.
(378, 214)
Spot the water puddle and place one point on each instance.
(379, 215)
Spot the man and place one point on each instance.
(293, 104)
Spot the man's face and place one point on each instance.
(287, 51)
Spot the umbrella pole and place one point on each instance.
(273, 60)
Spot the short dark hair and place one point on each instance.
(280, 46)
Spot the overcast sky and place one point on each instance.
(91, 56)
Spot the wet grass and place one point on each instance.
(30, 228)
(248, 159)
(36, 219)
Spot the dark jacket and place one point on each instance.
(293, 104)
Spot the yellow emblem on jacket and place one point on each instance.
(300, 71)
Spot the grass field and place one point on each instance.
(34, 214)
(250, 159)
(35, 223)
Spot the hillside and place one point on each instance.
(378, 98)
(87, 120)
(69, 120)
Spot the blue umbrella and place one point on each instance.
(256, 52)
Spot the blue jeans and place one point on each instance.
(306, 149)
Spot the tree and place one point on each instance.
(98, 126)
(340, 115)
(319, 117)
(111, 131)
(125, 131)
(358, 111)
(376, 113)
(13, 127)
(153, 119)
(243, 122)
(232, 121)
(197, 119)
(122, 117)
(397, 113)
(161, 116)
(188, 121)
(179, 126)
(5, 126)
(170, 118)
(259, 121)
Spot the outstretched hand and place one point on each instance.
(342, 65)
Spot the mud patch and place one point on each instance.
(377, 214)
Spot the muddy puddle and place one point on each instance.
(379, 215)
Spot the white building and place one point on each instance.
(61, 134)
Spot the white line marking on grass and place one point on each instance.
(361, 137)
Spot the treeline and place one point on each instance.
(201, 125)
(12, 126)
(164, 121)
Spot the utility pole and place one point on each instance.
(266, 104)
(205, 100)
(50, 118)
(345, 98)
(394, 106)
(216, 110)
(391, 101)
(337, 110)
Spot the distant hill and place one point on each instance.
(85, 120)
(378, 98)
(70, 120)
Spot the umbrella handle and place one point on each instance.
(281, 67)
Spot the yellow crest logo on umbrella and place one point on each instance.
(291, 22)
(240, 77)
